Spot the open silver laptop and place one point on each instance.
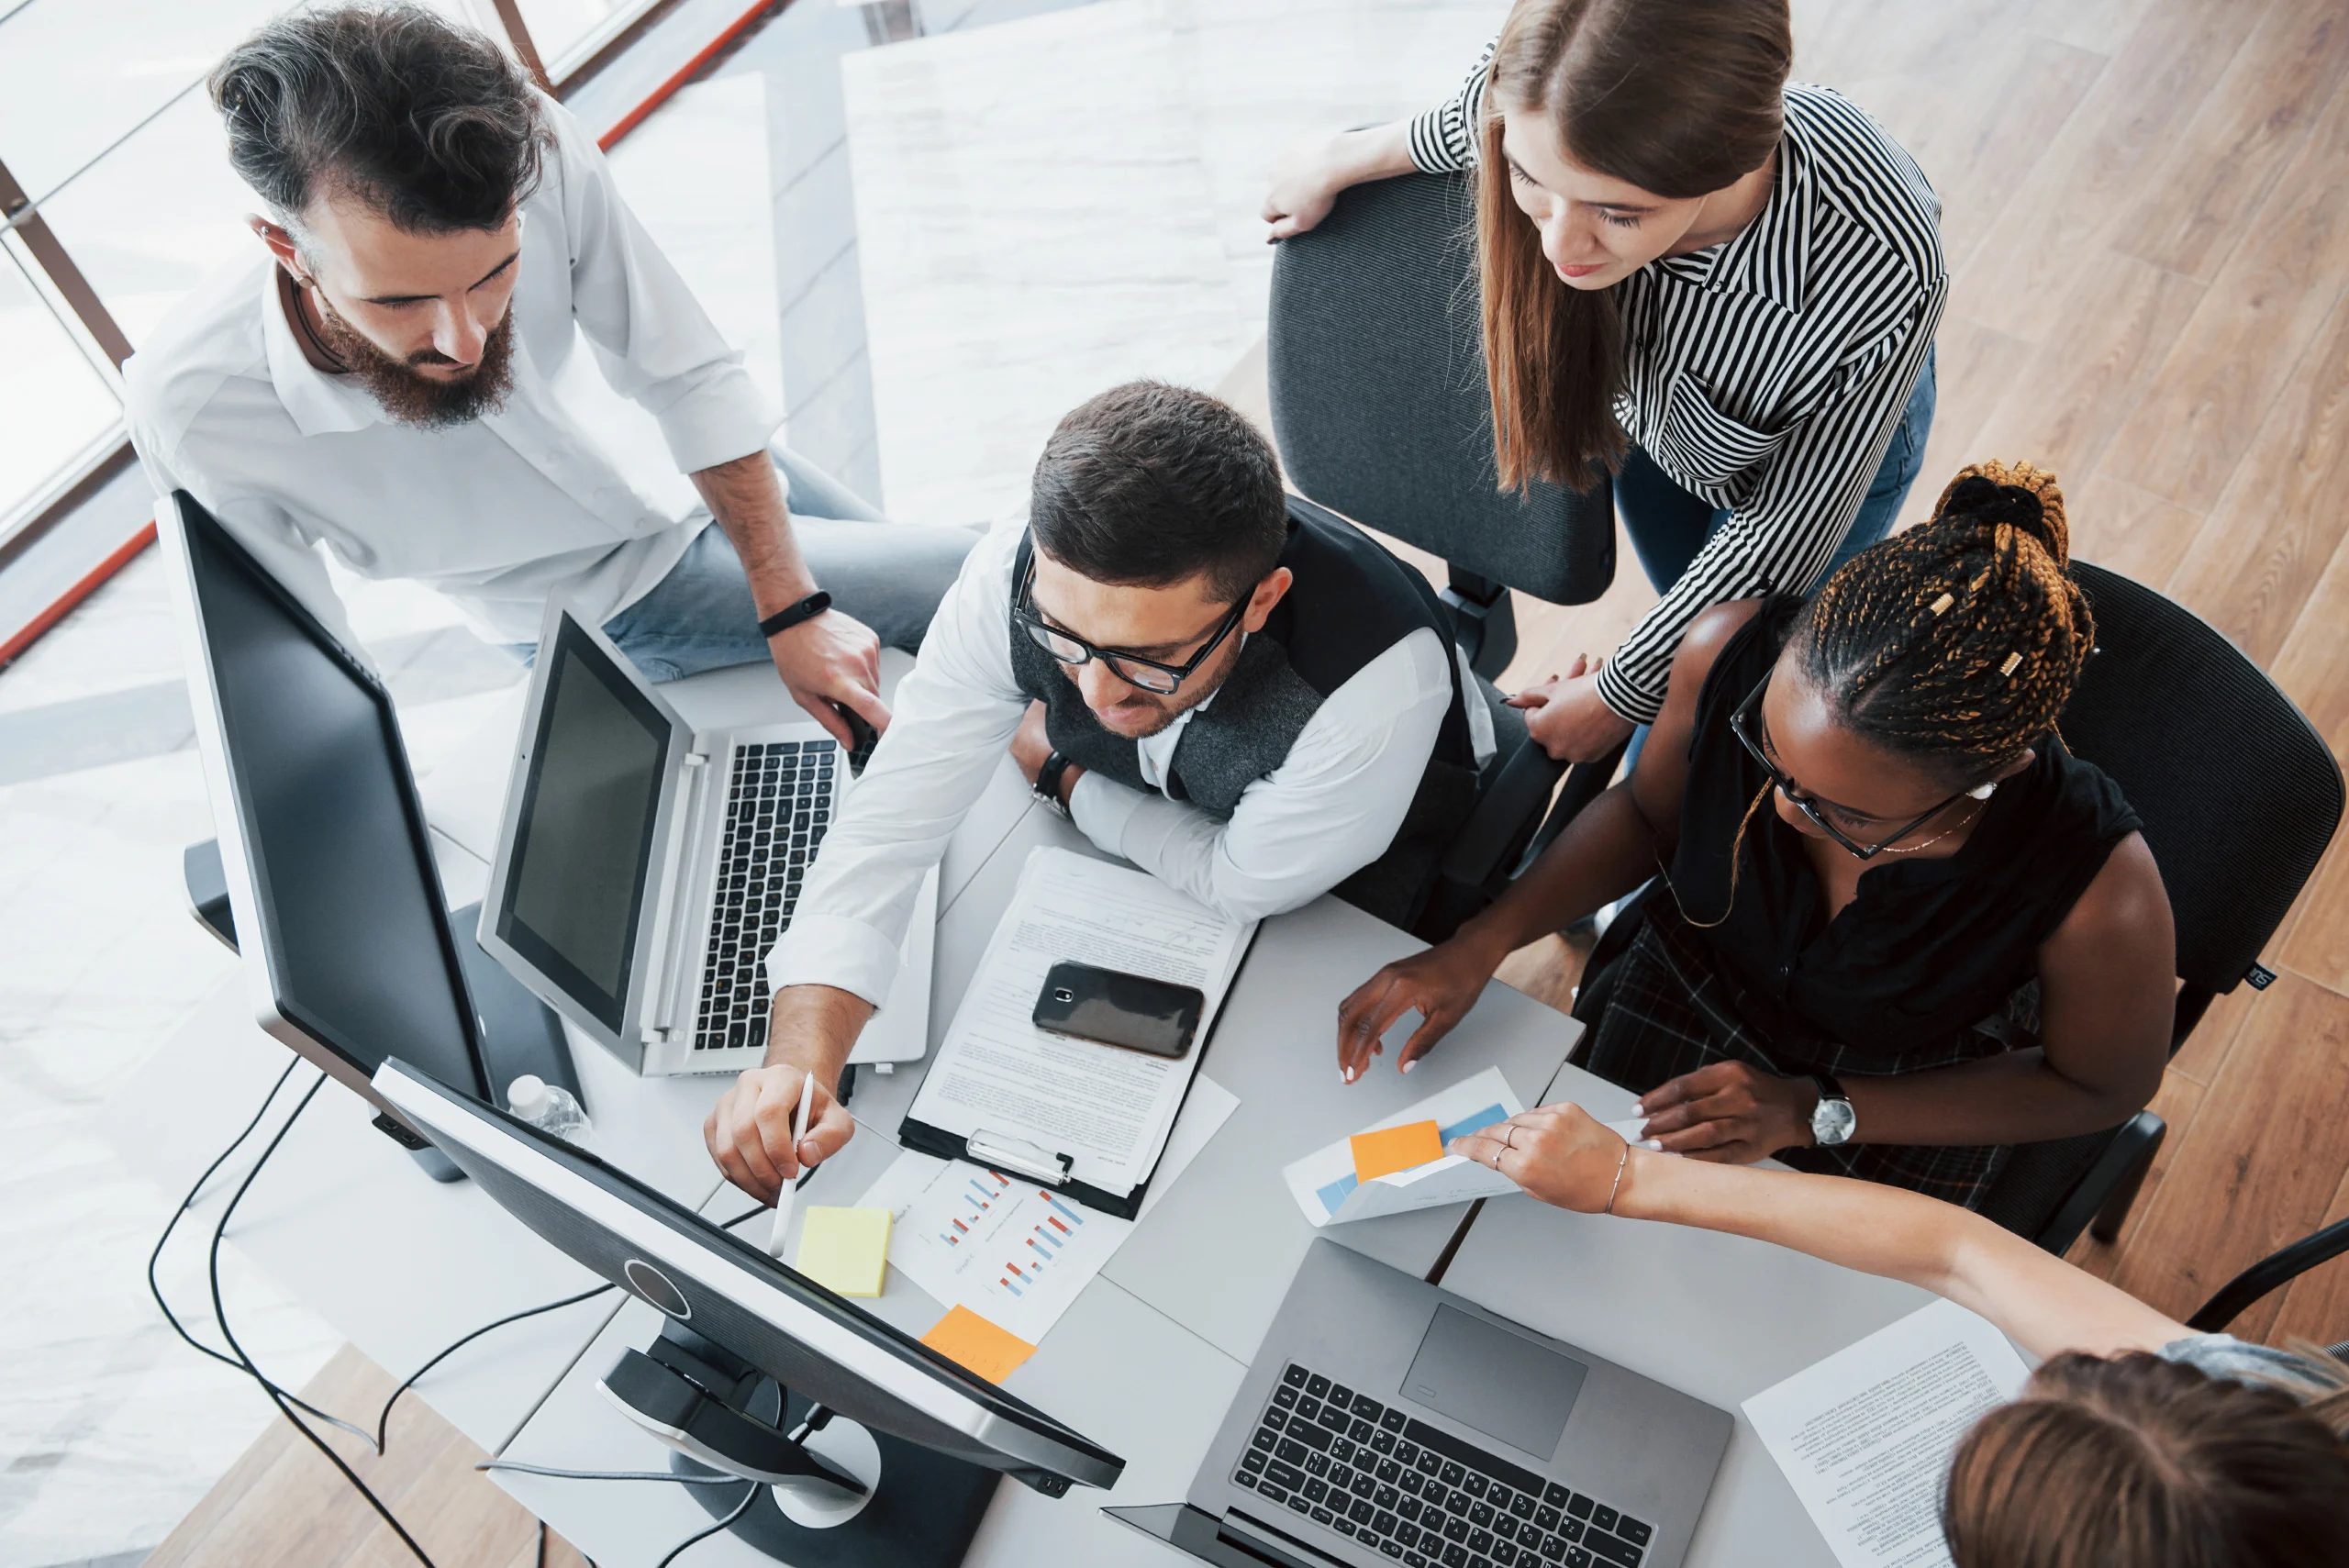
(644, 868)
(1387, 1422)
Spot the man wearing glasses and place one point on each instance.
(1255, 709)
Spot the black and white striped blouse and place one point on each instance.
(1767, 373)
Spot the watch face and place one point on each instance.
(1833, 1122)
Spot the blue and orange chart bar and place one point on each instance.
(1046, 1238)
(978, 1199)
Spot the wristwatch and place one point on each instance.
(1048, 781)
(1832, 1120)
(792, 615)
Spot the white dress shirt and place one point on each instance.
(621, 387)
(1332, 807)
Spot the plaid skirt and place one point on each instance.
(1667, 1011)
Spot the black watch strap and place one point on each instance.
(1048, 781)
(807, 609)
(1829, 1089)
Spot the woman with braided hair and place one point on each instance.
(1900, 928)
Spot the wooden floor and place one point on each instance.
(2146, 210)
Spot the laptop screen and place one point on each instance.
(576, 882)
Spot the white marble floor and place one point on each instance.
(110, 1428)
(1051, 206)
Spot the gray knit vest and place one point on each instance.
(1349, 602)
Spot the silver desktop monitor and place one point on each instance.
(348, 953)
(817, 1345)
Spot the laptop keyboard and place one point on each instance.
(1422, 1497)
(777, 806)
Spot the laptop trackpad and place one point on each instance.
(1499, 1383)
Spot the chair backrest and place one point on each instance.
(2238, 793)
(1376, 368)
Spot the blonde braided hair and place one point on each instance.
(1958, 641)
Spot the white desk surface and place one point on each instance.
(1717, 1317)
(1153, 1351)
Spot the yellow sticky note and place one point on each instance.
(964, 1337)
(844, 1249)
(1395, 1148)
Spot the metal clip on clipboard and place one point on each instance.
(992, 1149)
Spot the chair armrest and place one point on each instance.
(2278, 1268)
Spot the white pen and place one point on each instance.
(786, 1199)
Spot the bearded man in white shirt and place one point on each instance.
(462, 361)
(1249, 700)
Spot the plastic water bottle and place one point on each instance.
(551, 1108)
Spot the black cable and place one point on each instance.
(283, 1407)
(741, 1508)
(154, 1286)
(384, 1420)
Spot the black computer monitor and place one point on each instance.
(729, 1296)
(349, 954)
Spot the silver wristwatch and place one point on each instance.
(1832, 1120)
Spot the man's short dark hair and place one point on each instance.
(1150, 484)
(426, 122)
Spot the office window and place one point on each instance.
(55, 404)
(568, 31)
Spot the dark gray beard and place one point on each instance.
(425, 402)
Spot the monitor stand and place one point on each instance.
(831, 1493)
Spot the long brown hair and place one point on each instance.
(1680, 97)
(2136, 1461)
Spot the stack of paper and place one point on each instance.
(1329, 1186)
(1865, 1437)
(1109, 1109)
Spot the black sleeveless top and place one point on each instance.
(1925, 946)
(1349, 602)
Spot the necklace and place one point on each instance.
(1937, 838)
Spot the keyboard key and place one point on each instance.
(1294, 1376)
(1430, 1463)
(1408, 1507)
(1411, 1480)
(1453, 1472)
(1505, 1553)
(1581, 1507)
(1528, 1536)
(1572, 1529)
(1252, 1462)
(1297, 1500)
(1552, 1547)
(1474, 1486)
(1476, 1562)
(1612, 1547)
(1385, 1522)
(1386, 1497)
(1316, 1464)
(1276, 1419)
(1361, 1513)
(1455, 1529)
(1286, 1476)
(1290, 1452)
(1241, 1478)
(1264, 1439)
(1341, 1478)
(1273, 1494)
(1337, 1420)
(1547, 1517)
(1481, 1515)
(1392, 1548)
(1459, 1503)
(1577, 1557)
(1368, 1408)
(1480, 1541)
(1309, 1407)
(1555, 1495)
(1323, 1517)
(1633, 1530)
(1363, 1486)
(1383, 1441)
(1360, 1431)
(1342, 1452)
(1393, 1420)
(1603, 1516)
(1520, 1506)
(1413, 1559)
(1311, 1436)
(1317, 1490)
(1342, 1525)
(1455, 1557)
(1406, 1452)
(1389, 1471)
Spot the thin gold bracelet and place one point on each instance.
(1619, 1163)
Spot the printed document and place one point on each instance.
(1327, 1188)
(1865, 1437)
(1109, 1109)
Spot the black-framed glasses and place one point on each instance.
(1149, 675)
(1746, 724)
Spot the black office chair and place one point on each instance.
(1377, 367)
(2271, 1274)
(2239, 797)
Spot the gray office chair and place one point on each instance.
(2271, 1274)
(2238, 796)
(1377, 367)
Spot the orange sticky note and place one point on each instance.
(1395, 1148)
(964, 1337)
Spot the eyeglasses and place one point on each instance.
(1149, 675)
(1747, 726)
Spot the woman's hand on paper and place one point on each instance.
(749, 1130)
(1730, 1112)
(1441, 985)
(1558, 1153)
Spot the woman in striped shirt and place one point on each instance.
(1725, 297)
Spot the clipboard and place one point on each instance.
(1006, 1153)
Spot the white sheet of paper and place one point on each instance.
(1865, 1436)
(1109, 1109)
(1009, 1250)
(1323, 1182)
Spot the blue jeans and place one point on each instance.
(1668, 526)
(890, 576)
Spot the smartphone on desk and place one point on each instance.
(1110, 1008)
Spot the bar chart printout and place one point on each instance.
(1007, 1249)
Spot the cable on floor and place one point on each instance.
(750, 1497)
